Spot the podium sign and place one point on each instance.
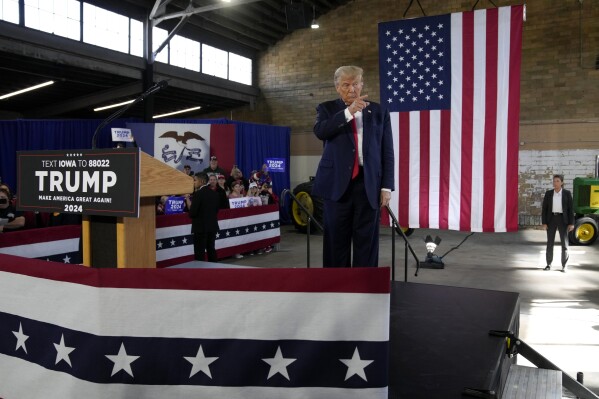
(89, 182)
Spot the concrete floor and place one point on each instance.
(559, 311)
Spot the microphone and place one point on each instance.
(152, 90)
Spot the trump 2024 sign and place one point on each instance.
(89, 182)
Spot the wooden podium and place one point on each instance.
(127, 242)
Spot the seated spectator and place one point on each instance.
(10, 218)
(236, 189)
(236, 174)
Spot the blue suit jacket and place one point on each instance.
(335, 168)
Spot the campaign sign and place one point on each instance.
(121, 134)
(275, 164)
(174, 205)
(238, 202)
(88, 182)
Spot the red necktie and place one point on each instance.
(356, 169)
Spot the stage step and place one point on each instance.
(532, 383)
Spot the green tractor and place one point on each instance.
(586, 210)
(303, 193)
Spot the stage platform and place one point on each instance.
(439, 338)
(440, 341)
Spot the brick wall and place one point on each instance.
(559, 85)
(536, 170)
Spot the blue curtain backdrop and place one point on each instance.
(254, 143)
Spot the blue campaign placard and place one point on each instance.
(275, 164)
(174, 205)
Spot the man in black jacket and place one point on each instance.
(205, 203)
(557, 214)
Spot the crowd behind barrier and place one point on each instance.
(241, 230)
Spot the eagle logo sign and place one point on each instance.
(182, 139)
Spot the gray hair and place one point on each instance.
(347, 70)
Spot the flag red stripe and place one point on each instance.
(222, 144)
(36, 236)
(354, 280)
(490, 121)
(467, 122)
(404, 168)
(513, 119)
(444, 169)
(425, 149)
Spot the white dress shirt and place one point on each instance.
(557, 202)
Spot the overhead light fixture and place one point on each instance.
(15, 93)
(113, 105)
(314, 23)
(226, 1)
(176, 112)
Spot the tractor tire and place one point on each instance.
(303, 193)
(585, 231)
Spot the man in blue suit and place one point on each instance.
(355, 176)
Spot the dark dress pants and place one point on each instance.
(556, 222)
(351, 219)
(204, 242)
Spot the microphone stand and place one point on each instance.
(154, 89)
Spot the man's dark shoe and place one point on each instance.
(547, 267)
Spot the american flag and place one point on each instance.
(68, 331)
(452, 86)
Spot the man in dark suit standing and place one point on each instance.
(557, 214)
(355, 176)
(203, 211)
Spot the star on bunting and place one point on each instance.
(122, 361)
(200, 363)
(278, 364)
(62, 351)
(356, 366)
(21, 338)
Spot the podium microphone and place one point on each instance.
(152, 90)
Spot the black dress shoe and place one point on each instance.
(547, 267)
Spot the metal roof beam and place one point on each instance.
(104, 96)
